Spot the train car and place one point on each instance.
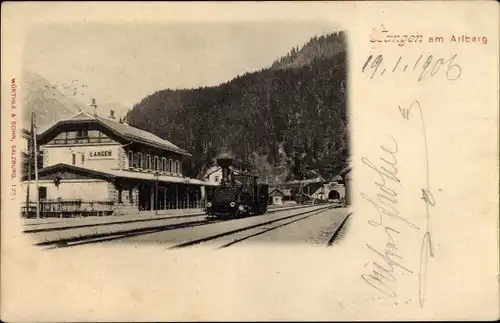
(237, 195)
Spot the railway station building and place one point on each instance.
(94, 165)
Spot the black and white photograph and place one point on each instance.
(185, 134)
(249, 161)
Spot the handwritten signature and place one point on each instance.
(382, 276)
(386, 206)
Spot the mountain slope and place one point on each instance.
(284, 122)
(322, 47)
(46, 100)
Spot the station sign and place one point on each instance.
(100, 154)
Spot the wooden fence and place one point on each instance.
(69, 208)
(78, 208)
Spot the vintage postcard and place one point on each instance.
(250, 161)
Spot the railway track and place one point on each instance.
(93, 225)
(266, 228)
(124, 234)
(105, 237)
(123, 222)
(240, 234)
(251, 231)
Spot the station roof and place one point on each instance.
(161, 177)
(67, 171)
(120, 129)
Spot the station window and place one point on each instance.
(149, 166)
(94, 136)
(130, 158)
(156, 164)
(217, 179)
(83, 133)
(163, 164)
(136, 160)
(83, 158)
(42, 193)
(73, 159)
(177, 168)
(170, 166)
(141, 161)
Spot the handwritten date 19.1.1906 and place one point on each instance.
(426, 66)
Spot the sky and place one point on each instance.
(124, 63)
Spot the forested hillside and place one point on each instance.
(284, 122)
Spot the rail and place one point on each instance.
(114, 232)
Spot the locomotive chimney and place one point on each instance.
(225, 160)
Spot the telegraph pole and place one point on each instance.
(30, 155)
(37, 196)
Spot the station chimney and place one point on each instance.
(94, 106)
(112, 114)
(125, 121)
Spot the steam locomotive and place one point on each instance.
(238, 195)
